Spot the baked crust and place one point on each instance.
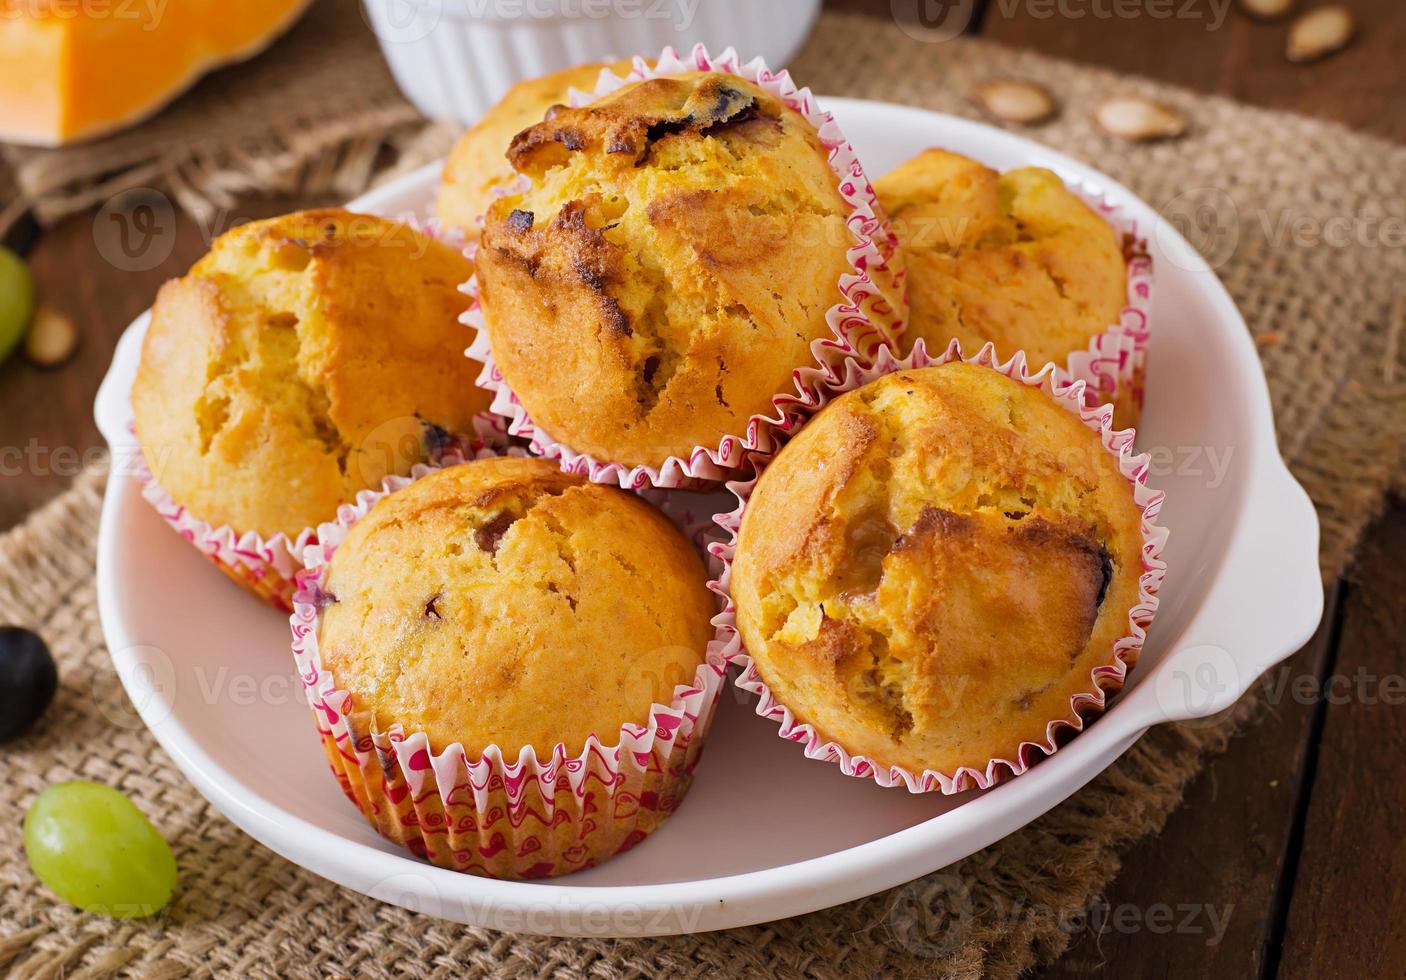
(507, 602)
(670, 267)
(934, 565)
(303, 359)
(479, 163)
(1016, 259)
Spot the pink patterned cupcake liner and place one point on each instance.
(862, 322)
(1104, 680)
(1115, 362)
(495, 815)
(268, 566)
(264, 566)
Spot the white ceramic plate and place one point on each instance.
(765, 833)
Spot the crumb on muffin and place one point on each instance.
(1013, 258)
(934, 565)
(302, 359)
(506, 602)
(670, 267)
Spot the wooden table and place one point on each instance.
(1287, 858)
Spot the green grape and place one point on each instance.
(94, 849)
(16, 300)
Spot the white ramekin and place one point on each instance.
(455, 58)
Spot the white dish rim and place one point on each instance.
(805, 886)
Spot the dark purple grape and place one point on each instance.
(28, 679)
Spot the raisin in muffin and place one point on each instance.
(304, 358)
(479, 162)
(505, 602)
(935, 565)
(1013, 258)
(670, 267)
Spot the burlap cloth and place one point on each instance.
(315, 114)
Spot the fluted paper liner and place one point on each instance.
(862, 321)
(531, 816)
(264, 566)
(1104, 680)
(1115, 361)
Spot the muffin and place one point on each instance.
(501, 610)
(479, 162)
(1015, 259)
(669, 268)
(303, 359)
(936, 567)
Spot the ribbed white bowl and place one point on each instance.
(455, 58)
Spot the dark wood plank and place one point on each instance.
(1210, 46)
(83, 269)
(1349, 899)
(1197, 899)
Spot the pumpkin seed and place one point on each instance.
(1015, 101)
(1266, 9)
(1131, 117)
(1319, 33)
(52, 338)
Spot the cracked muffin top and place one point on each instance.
(506, 602)
(1013, 258)
(303, 359)
(671, 265)
(934, 565)
(479, 161)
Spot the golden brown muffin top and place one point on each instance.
(670, 267)
(506, 602)
(1016, 259)
(479, 162)
(934, 565)
(303, 359)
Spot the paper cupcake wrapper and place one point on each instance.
(1104, 680)
(862, 322)
(268, 566)
(264, 566)
(504, 817)
(1115, 362)
(432, 227)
